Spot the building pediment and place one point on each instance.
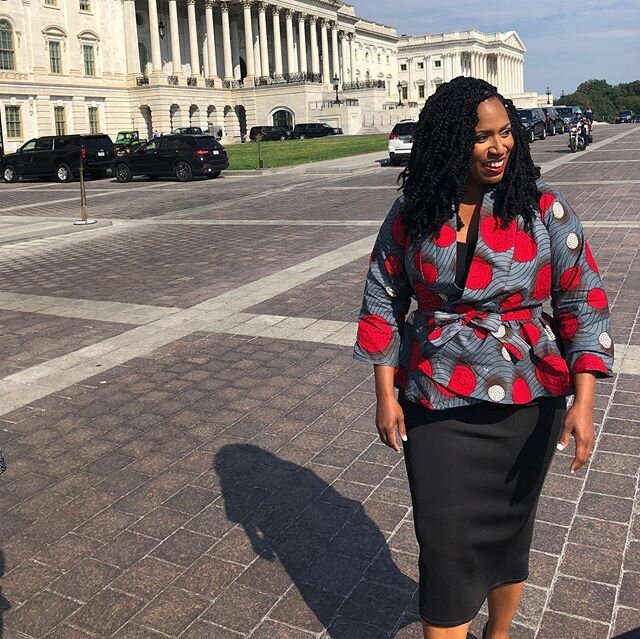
(512, 39)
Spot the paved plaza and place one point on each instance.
(191, 448)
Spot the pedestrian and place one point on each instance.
(483, 374)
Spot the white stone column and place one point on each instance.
(292, 65)
(235, 50)
(174, 31)
(352, 56)
(193, 38)
(411, 79)
(326, 71)
(226, 42)
(427, 76)
(264, 42)
(513, 74)
(277, 41)
(335, 53)
(255, 30)
(211, 39)
(131, 36)
(315, 56)
(522, 75)
(302, 42)
(156, 56)
(344, 49)
(248, 40)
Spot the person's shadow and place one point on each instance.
(324, 543)
(4, 602)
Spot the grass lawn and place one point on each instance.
(292, 152)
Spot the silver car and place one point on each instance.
(401, 141)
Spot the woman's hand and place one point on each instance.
(578, 422)
(389, 418)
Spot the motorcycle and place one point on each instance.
(578, 137)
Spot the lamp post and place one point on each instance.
(162, 30)
(548, 92)
(336, 86)
(399, 87)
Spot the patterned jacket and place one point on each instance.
(493, 342)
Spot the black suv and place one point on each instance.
(555, 124)
(312, 130)
(625, 117)
(269, 133)
(179, 156)
(535, 122)
(59, 156)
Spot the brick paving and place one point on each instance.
(214, 480)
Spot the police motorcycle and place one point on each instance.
(579, 134)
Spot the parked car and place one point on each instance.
(625, 117)
(180, 156)
(567, 113)
(127, 141)
(269, 133)
(555, 124)
(535, 122)
(59, 156)
(401, 141)
(189, 130)
(312, 130)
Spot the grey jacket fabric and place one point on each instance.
(493, 342)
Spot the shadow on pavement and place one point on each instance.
(331, 550)
(4, 603)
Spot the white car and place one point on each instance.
(401, 141)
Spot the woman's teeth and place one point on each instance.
(494, 165)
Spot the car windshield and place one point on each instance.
(565, 112)
(525, 114)
(96, 144)
(624, 114)
(207, 142)
(125, 137)
(404, 128)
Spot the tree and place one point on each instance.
(605, 100)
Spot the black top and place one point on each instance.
(465, 252)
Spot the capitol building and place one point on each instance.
(81, 66)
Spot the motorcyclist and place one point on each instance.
(589, 114)
(580, 120)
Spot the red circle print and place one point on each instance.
(426, 368)
(513, 351)
(398, 233)
(588, 363)
(480, 274)
(530, 334)
(568, 325)
(435, 333)
(590, 259)
(374, 333)
(463, 381)
(444, 390)
(497, 237)
(393, 265)
(426, 403)
(597, 298)
(446, 236)
(546, 202)
(542, 288)
(570, 279)
(430, 273)
(427, 299)
(526, 248)
(552, 372)
(512, 301)
(520, 391)
(480, 333)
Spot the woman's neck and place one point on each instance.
(473, 193)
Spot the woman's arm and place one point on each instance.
(389, 415)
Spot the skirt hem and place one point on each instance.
(453, 624)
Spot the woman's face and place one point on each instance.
(493, 145)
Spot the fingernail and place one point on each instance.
(404, 438)
(573, 472)
(560, 447)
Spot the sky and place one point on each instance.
(567, 42)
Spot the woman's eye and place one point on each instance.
(506, 133)
(481, 138)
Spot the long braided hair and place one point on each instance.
(434, 180)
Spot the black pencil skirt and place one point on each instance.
(476, 474)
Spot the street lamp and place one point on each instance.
(162, 30)
(548, 92)
(336, 86)
(399, 87)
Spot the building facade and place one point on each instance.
(79, 66)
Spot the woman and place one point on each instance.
(481, 243)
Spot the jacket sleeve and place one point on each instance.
(387, 295)
(578, 299)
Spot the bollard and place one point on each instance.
(260, 160)
(84, 209)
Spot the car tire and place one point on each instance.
(302, 137)
(553, 130)
(9, 174)
(123, 173)
(532, 136)
(183, 171)
(283, 138)
(543, 136)
(63, 173)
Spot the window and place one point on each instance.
(50, 3)
(13, 121)
(7, 56)
(437, 64)
(44, 144)
(379, 58)
(94, 120)
(403, 67)
(85, 5)
(420, 65)
(88, 53)
(55, 61)
(405, 93)
(60, 120)
(421, 90)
